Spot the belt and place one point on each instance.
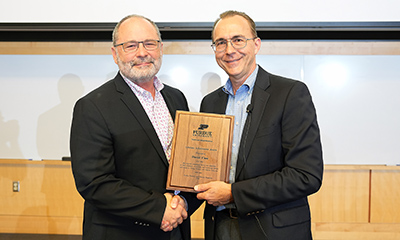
(231, 212)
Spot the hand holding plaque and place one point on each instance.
(201, 150)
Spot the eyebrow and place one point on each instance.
(219, 39)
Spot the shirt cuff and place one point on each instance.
(177, 192)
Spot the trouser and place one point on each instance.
(176, 234)
(227, 225)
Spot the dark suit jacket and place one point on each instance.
(119, 165)
(279, 164)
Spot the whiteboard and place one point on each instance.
(100, 11)
(356, 98)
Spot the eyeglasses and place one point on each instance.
(132, 46)
(236, 42)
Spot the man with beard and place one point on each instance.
(121, 142)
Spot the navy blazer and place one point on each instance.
(119, 165)
(279, 161)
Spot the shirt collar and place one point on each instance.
(249, 83)
(158, 85)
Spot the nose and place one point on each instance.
(229, 47)
(141, 50)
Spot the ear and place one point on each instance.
(114, 53)
(257, 43)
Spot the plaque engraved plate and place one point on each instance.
(201, 150)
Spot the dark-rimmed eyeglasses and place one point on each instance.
(132, 46)
(236, 42)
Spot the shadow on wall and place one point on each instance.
(209, 82)
(166, 79)
(9, 133)
(53, 127)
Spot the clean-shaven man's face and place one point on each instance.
(237, 63)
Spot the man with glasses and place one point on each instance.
(121, 143)
(276, 152)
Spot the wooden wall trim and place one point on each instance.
(40, 224)
(48, 202)
(201, 47)
(34, 162)
(343, 197)
(360, 167)
(385, 196)
(352, 231)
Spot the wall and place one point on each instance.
(354, 202)
(47, 202)
(207, 11)
(354, 87)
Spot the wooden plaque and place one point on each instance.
(201, 150)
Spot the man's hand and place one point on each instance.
(175, 212)
(216, 193)
(177, 200)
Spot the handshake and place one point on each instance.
(175, 212)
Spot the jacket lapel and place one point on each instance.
(222, 101)
(137, 110)
(259, 100)
(170, 103)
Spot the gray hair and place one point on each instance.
(116, 29)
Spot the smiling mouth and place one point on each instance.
(141, 64)
(232, 61)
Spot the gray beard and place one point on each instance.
(143, 74)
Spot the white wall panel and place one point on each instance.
(356, 98)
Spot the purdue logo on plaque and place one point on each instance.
(201, 150)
